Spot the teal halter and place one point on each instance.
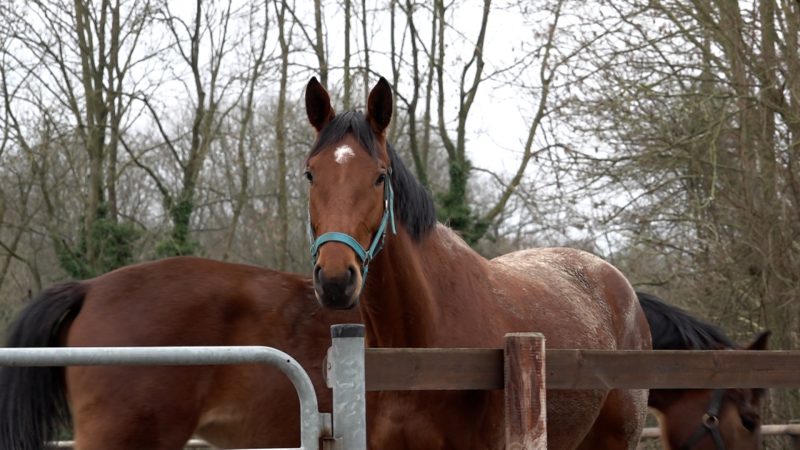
(366, 256)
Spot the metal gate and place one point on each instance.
(345, 366)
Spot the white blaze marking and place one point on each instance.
(343, 154)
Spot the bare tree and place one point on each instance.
(284, 39)
(365, 43)
(347, 79)
(314, 39)
(259, 57)
(700, 117)
(211, 91)
(81, 55)
(455, 206)
(420, 158)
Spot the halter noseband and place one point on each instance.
(365, 255)
(710, 423)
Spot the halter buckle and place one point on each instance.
(710, 420)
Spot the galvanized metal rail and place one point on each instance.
(313, 424)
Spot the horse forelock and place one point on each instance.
(413, 204)
(350, 122)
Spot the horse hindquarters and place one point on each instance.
(33, 407)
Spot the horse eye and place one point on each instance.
(749, 422)
(380, 180)
(309, 176)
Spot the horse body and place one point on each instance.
(174, 302)
(427, 288)
(545, 290)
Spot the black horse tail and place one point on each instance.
(33, 403)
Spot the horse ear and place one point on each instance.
(318, 105)
(379, 106)
(760, 342)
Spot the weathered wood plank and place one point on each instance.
(421, 369)
(525, 399)
(580, 369)
(390, 369)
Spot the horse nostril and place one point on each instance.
(351, 281)
(318, 273)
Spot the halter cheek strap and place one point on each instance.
(365, 255)
(710, 424)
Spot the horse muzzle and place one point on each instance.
(339, 290)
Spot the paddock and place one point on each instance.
(524, 369)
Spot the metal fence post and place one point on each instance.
(345, 375)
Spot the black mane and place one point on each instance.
(413, 204)
(675, 329)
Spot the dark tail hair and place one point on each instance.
(33, 404)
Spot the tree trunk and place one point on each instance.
(280, 147)
(347, 80)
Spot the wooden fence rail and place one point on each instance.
(525, 370)
(463, 369)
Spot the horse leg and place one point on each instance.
(620, 423)
(131, 408)
(127, 429)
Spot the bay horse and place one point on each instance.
(701, 419)
(427, 288)
(172, 302)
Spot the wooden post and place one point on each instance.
(525, 400)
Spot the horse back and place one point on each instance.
(576, 299)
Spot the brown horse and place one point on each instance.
(427, 288)
(177, 301)
(701, 419)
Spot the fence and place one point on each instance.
(519, 369)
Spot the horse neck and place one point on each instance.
(414, 289)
